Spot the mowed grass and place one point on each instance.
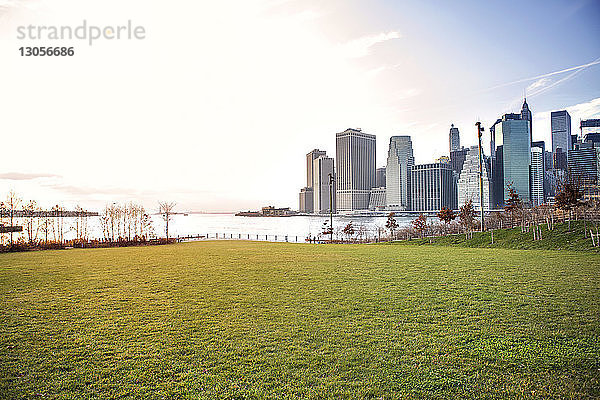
(272, 320)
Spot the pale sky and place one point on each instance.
(216, 108)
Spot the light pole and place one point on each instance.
(331, 182)
(479, 134)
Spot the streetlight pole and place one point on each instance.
(479, 134)
(331, 182)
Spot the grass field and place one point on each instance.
(562, 237)
(273, 320)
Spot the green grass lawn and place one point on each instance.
(562, 237)
(273, 320)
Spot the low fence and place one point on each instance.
(285, 238)
(246, 236)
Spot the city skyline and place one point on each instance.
(225, 127)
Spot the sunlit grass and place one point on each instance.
(274, 320)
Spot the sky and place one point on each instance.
(217, 106)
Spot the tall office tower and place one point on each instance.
(310, 157)
(584, 163)
(306, 200)
(457, 158)
(537, 176)
(548, 160)
(542, 145)
(397, 176)
(322, 187)
(560, 126)
(433, 186)
(560, 159)
(306, 197)
(516, 142)
(380, 177)
(526, 116)
(468, 182)
(497, 164)
(454, 139)
(355, 167)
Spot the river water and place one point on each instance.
(296, 228)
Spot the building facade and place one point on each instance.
(454, 139)
(457, 158)
(377, 199)
(433, 186)
(584, 163)
(355, 166)
(380, 177)
(306, 200)
(537, 176)
(310, 157)
(399, 163)
(468, 182)
(516, 139)
(323, 188)
(560, 126)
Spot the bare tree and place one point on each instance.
(166, 210)
(32, 225)
(12, 202)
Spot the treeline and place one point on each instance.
(56, 228)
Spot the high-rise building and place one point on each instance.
(516, 142)
(526, 116)
(468, 182)
(584, 163)
(380, 177)
(355, 168)
(310, 157)
(454, 139)
(399, 162)
(537, 176)
(560, 126)
(497, 164)
(457, 158)
(323, 189)
(433, 186)
(377, 198)
(306, 200)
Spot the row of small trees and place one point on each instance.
(118, 223)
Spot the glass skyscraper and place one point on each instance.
(560, 125)
(516, 142)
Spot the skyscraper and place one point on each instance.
(380, 177)
(560, 126)
(310, 157)
(355, 166)
(306, 200)
(397, 176)
(526, 116)
(454, 139)
(433, 186)
(468, 182)
(537, 176)
(306, 197)
(322, 187)
(516, 139)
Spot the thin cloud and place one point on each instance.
(577, 68)
(360, 47)
(539, 84)
(18, 176)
